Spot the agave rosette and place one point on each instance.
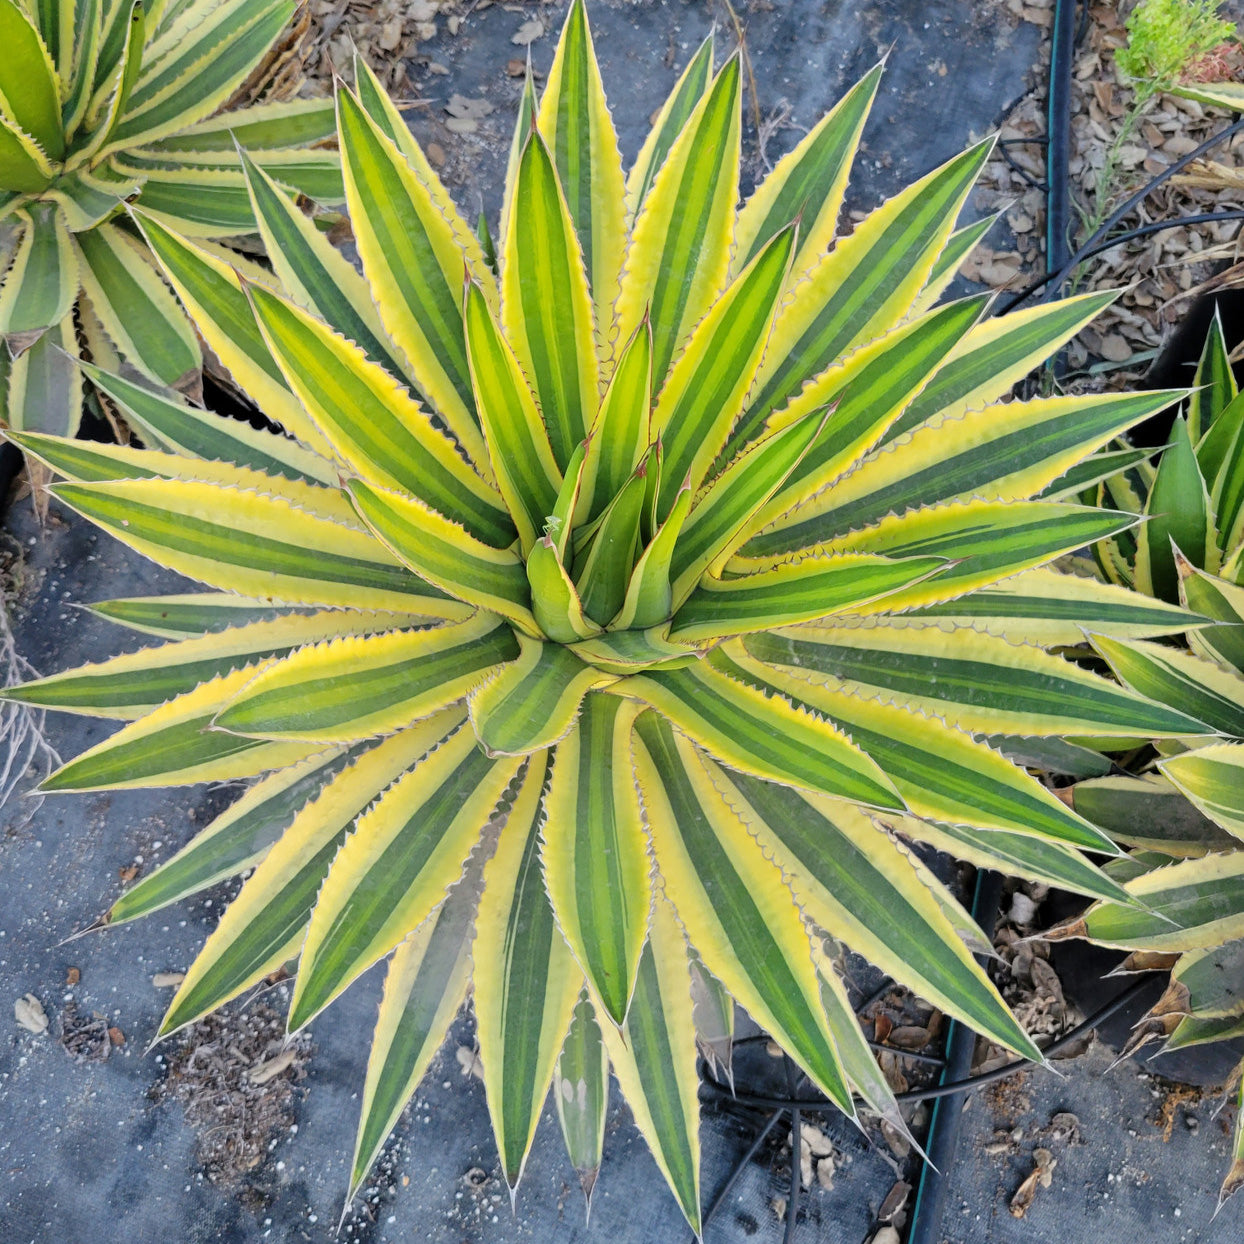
(108, 101)
(1186, 804)
(610, 622)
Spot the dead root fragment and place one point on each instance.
(1041, 1175)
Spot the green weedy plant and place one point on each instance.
(104, 102)
(615, 618)
(1186, 802)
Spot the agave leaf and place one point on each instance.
(373, 424)
(1199, 689)
(574, 121)
(424, 989)
(653, 1058)
(255, 544)
(97, 462)
(211, 291)
(620, 434)
(673, 115)
(405, 853)
(1179, 514)
(445, 554)
(264, 926)
(808, 183)
(24, 165)
(981, 683)
(44, 390)
(940, 772)
(958, 247)
(1213, 386)
(129, 685)
(1017, 855)
(359, 686)
(527, 470)
(526, 981)
(595, 855)
(680, 244)
(197, 75)
(1051, 608)
(606, 569)
(989, 540)
(1004, 453)
(260, 127)
(42, 282)
(235, 841)
(390, 122)
(1184, 906)
(1000, 351)
(411, 259)
(734, 903)
(866, 284)
(316, 275)
(1215, 598)
(853, 881)
(1213, 778)
(530, 703)
(136, 308)
(581, 1093)
(192, 614)
(1148, 813)
(763, 735)
(173, 746)
(796, 591)
(546, 306)
(705, 390)
(192, 432)
(865, 393)
(28, 83)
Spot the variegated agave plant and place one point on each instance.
(108, 101)
(614, 620)
(1184, 802)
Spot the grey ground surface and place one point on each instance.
(88, 1149)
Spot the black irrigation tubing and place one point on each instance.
(760, 1101)
(1058, 131)
(946, 1121)
(776, 1107)
(1101, 240)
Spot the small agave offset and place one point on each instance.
(612, 619)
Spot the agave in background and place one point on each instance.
(1185, 800)
(613, 620)
(104, 102)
